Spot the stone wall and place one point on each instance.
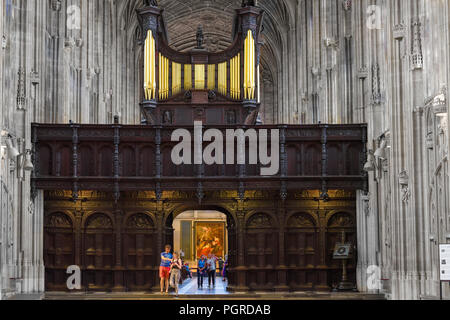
(326, 60)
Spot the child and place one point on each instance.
(189, 272)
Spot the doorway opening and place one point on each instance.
(198, 233)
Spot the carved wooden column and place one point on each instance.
(75, 142)
(281, 268)
(281, 211)
(323, 269)
(77, 229)
(260, 244)
(159, 214)
(116, 164)
(241, 269)
(118, 269)
(324, 191)
(241, 230)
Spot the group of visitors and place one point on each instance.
(172, 270)
(207, 266)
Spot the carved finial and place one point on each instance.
(200, 37)
(248, 3)
(152, 3)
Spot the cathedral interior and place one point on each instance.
(357, 88)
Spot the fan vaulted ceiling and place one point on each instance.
(216, 16)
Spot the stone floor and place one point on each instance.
(190, 287)
(189, 291)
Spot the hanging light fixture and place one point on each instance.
(13, 153)
(369, 166)
(28, 164)
(2, 152)
(381, 151)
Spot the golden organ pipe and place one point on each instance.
(176, 78)
(211, 77)
(249, 66)
(232, 78)
(199, 76)
(161, 77)
(187, 77)
(239, 75)
(235, 77)
(166, 87)
(246, 68)
(149, 67)
(252, 66)
(146, 62)
(179, 77)
(222, 78)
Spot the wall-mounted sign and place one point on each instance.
(444, 262)
(342, 251)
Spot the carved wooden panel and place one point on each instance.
(261, 243)
(140, 252)
(302, 250)
(59, 249)
(119, 249)
(98, 251)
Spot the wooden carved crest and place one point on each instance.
(140, 221)
(301, 220)
(59, 220)
(341, 220)
(260, 220)
(99, 221)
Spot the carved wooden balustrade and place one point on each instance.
(118, 158)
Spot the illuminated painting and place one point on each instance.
(209, 238)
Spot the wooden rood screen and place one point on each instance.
(112, 191)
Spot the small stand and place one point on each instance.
(342, 252)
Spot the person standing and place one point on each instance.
(211, 263)
(175, 272)
(164, 268)
(201, 271)
(224, 269)
(181, 254)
